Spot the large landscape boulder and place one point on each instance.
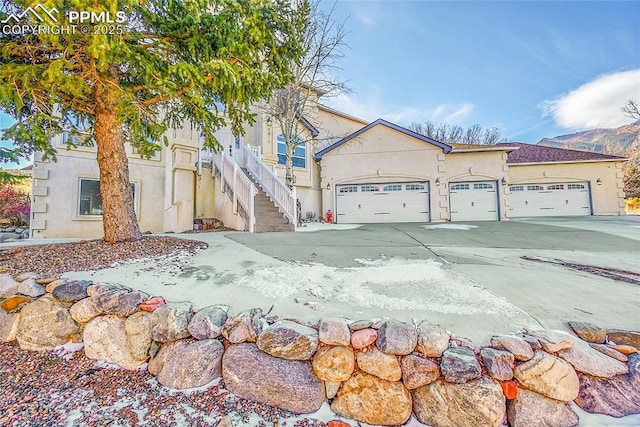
(474, 403)
(433, 339)
(8, 286)
(517, 346)
(45, 324)
(382, 365)
(71, 291)
(530, 409)
(334, 331)
(334, 363)
(617, 397)
(549, 376)
(30, 288)
(459, 365)
(499, 363)
(288, 384)
(289, 340)
(590, 361)
(138, 327)
(395, 337)
(183, 364)
(170, 322)
(369, 399)
(552, 341)
(363, 338)
(244, 326)
(84, 310)
(588, 331)
(105, 338)
(207, 323)
(418, 371)
(621, 336)
(8, 326)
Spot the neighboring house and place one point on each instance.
(363, 172)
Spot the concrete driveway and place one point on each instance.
(471, 278)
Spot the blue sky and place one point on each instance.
(536, 69)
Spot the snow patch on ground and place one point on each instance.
(450, 226)
(390, 284)
(66, 351)
(598, 420)
(323, 226)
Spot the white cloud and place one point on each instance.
(596, 104)
(372, 109)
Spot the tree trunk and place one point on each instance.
(290, 179)
(118, 214)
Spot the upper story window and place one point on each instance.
(395, 187)
(299, 154)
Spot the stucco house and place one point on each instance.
(363, 172)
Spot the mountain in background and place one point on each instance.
(622, 141)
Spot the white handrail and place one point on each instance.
(282, 196)
(244, 191)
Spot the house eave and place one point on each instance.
(622, 159)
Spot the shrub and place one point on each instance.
(14, 206)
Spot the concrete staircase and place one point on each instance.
(268, 216)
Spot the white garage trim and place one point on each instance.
(382, 202)
(474, 201)
(550, 199)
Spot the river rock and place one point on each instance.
(207, 323)
(27, 275)
(531, 409)
(46, 280)
(118, 301)
(152, 304)
(45, 324)
(289, 340)
(138, 327)
(616, 397)
(84, 310)
(382, 365)
(52, 285)
(620, 336)
(588, 331)
(475, 403)
(334, 332)
(433, 339)
(183, 364)
(170, 322)
(105, 338)
(30, 288)
(8, 326)
(244, 327)
(624, 349)
(585, 359)
(72, 291)
(418, 371)
(459, 365)
(8, 286)
(552, 341)
(499, 363)
(549, 376)
(288, 384)
(369, 399)
(395, 337)
(363, 338)
(611, 352)
(334, 363)
(331, 388)
(517, 346)
(96, 289)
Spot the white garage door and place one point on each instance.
(562, 199)
(473, 201)
(390, 202)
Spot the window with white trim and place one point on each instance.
(516, 188)
(455, 187)
(414, 187)
(535, 188)
(349, 189)
(575, 186)
(90, 198)
(482, 186)
(555, 187)
(369, 188)
(299, 154)
(395, 187)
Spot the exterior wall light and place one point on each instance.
(504, 181)
(269, 122)
(599, 181)
(328, 186)
(437, 181)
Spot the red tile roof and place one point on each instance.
(529, 153)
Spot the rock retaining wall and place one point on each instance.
(375, 372)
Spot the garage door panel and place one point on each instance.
(473, 201)
(560, 199)
(378, 203)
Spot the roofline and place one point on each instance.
(445, 148)
(476, 150)
(342, 114)
(619, 159)
(308, 125)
